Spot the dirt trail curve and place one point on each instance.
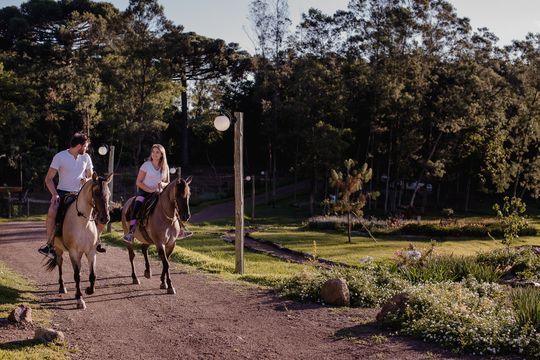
(207, 318)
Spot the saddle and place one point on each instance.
(147, 208)
(65, 202)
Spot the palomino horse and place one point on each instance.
(80, 234)
(164, 226)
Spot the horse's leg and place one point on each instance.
(169, 251)
(92, 265)
(59, 262)
(165, 272)
(76, 262)
(147, 271)
(131, 257)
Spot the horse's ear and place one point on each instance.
(189, 179)
(95, 176)
(109, 178)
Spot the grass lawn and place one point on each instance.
(207, 251)
(14, 290)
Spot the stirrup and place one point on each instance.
(128, 237)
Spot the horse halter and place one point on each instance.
(94, 207)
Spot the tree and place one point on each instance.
(512, 219)
(350, 184)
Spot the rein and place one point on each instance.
(175, 216)
(79, 213)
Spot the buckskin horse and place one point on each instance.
(80, 235)
(161, 228)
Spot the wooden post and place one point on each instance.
(111, 187)
(239, 192)
(253, 198)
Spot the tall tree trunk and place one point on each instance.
(424, 168)
(389, 164)
(467, 194)
(184, 122)
(349, 226)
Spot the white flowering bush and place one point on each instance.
(369, 286)
(469, 316)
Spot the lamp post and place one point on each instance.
(252, 179)
(265, 174)
(103, 150)
(222, 123)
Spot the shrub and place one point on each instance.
(526, 302)
(466, 316)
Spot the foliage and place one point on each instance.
(351, 198)
(512, 219)
(527, 305)
(467, 316)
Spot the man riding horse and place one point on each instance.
(74, 167)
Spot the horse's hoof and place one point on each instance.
(62, 290)
(171, 291)
(81, 304)
(89, 291)
(147, 274)
(162, 286)
(136, 281)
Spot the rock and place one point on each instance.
(395, 306)
(48, 335)
(336, 292)
(21, 314)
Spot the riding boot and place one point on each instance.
(100, 248)
(129, 236)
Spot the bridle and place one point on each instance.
(176, 211)
(94, 207)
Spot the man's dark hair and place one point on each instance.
(78, 138)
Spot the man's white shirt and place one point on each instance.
(70, 170)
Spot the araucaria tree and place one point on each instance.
(350, 185)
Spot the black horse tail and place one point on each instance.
(51, 264)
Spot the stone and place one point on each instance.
(47, 335)
(21, 314)
(335, 292)
(395, 306)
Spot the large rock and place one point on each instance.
(21, 314)
(393, 308)
(48, 335)
(336, 292)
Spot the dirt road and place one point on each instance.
(207, 318)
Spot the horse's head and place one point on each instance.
(100, 196)
(182, 195)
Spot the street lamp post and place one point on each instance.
(265, 174)
(222, 123)
(252, 179)
(103, 150)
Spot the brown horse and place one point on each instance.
(164, 226)
(80, 234)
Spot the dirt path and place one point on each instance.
(207, 319)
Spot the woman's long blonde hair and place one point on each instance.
(162, 162)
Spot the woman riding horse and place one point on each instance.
(162, 228)
(80, 232)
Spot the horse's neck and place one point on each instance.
(166, 201)
(84, 200)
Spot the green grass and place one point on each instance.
(208, 252)
(24, 218)
(14, 290)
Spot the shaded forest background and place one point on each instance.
(442, 115)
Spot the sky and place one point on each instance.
(228, 19)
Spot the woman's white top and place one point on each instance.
(70, 169)
(153, 177)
